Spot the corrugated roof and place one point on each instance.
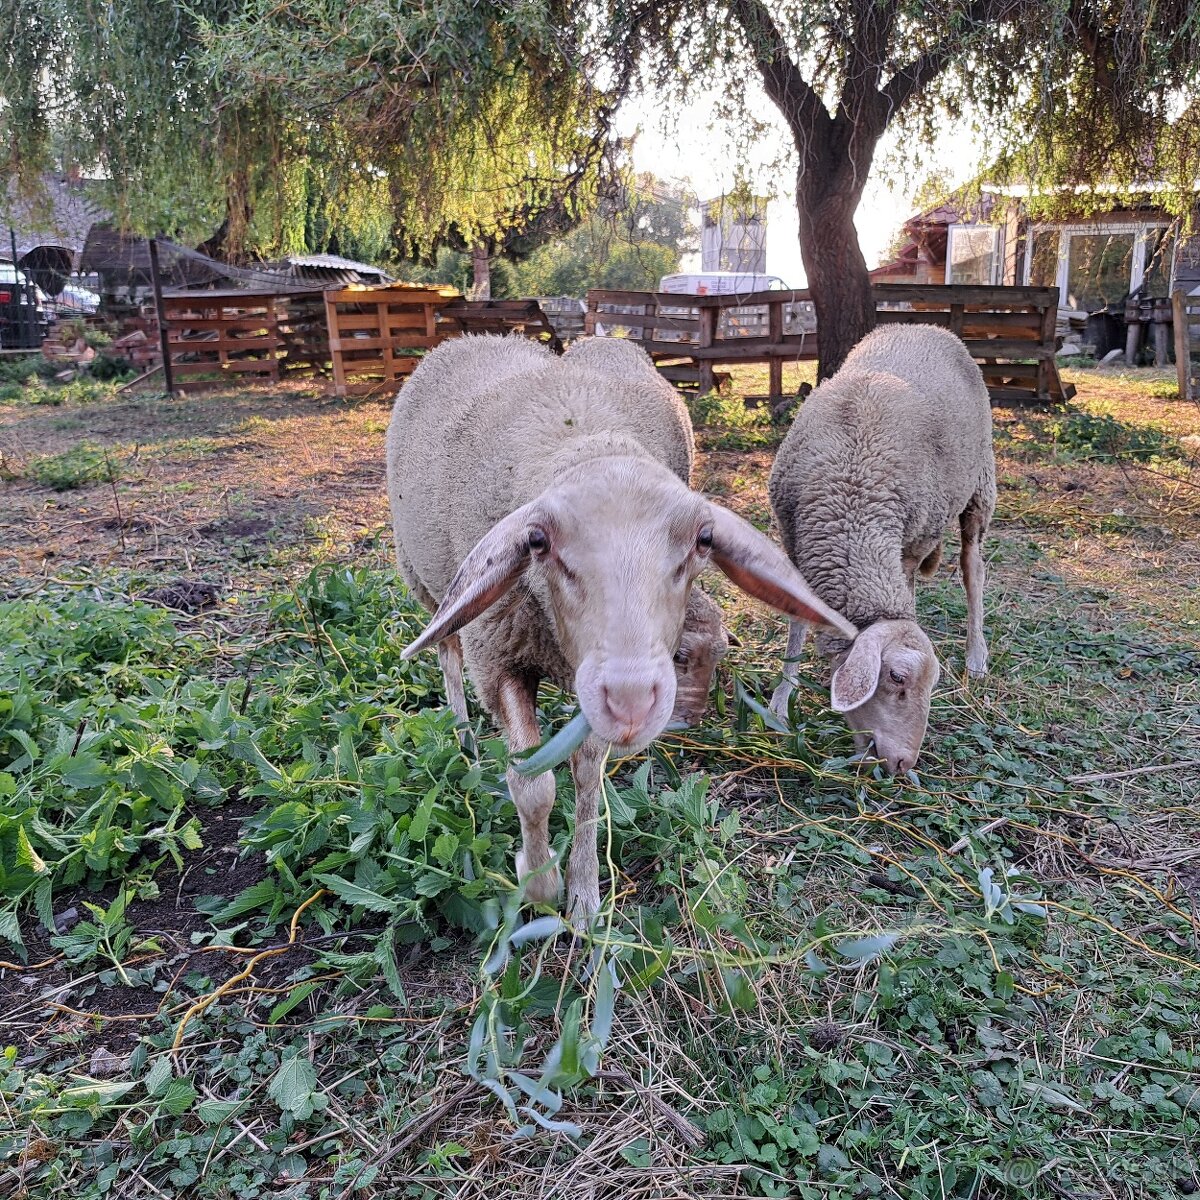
(334, 262)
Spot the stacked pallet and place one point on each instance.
(378, 335)
(214, 337)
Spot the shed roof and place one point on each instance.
(59, 212)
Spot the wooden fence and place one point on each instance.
(1010, 331)
(378, 335)
(1186, 309)
(214, 335)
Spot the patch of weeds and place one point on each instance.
(1103, 438)
(81, 465)
(724, 423)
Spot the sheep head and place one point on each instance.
(882, 686)
(611, 550)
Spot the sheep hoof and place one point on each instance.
(779, 701)
(543, 885)
(582, 907)
(977, 665)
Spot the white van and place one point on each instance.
(720, 283)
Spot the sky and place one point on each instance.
(694, 146)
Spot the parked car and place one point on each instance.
(22, 314)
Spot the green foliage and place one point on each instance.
(1103, 438)
(629, 243)
(365, 128)
(83, 464)
(723, 422)
(856, 1007)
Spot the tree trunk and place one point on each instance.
(836, 270)
(482, 268)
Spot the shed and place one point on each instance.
(51, 228)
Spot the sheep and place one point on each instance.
(877, 463)
(542, 513)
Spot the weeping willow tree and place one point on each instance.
(1098, 93)
(375, 128)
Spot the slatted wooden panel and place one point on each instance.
(1186, 312)
(378, 335)
(303, 334)
(214, 337)
(1009, 331)
(524, 317)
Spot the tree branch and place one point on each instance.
(910, 80)
(793, 95)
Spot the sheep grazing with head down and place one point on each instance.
(880, 459)
(541, 506)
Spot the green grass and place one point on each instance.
(851, 984)
(299, 964)
(80, 466)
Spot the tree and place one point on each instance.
(1070, 90)
(631, 241)
(296, 124)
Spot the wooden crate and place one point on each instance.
(377, 335)
(1186, 312)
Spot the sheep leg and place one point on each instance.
(972, 524)
(797, 634)
(583, 871)
(533, 798)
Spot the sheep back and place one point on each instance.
(486, 423)
(878, 461)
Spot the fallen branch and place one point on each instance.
(134, 382)
(1105, 776)
(205, 1001)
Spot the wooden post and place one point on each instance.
(708, 334)
(335, 344)
(775, 334)
(1179, 312)
(1047, 367)
(160, 312)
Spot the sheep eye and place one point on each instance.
(895, 678)
(704, 539)
(681, 658)
(539, 543)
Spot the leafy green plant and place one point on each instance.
(108, 936)
(81, 465)
(1103, 437)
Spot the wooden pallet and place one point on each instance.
(213, 336)
(378, 335)
(1009, 331)
(523, 317)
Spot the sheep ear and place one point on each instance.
(857, 679)
(488, 571)
(759, 567)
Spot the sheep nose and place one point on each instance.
(630, 704)
(899, 764)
